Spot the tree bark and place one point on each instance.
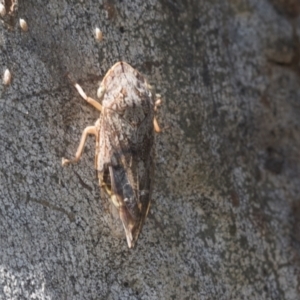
(225, 222)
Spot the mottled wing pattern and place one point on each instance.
(125, 157)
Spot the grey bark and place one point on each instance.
(225, 221)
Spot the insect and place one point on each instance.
(124, 157)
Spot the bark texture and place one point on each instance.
(225, 222)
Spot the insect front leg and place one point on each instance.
(88, 130)
(158, 102)
(90, 100)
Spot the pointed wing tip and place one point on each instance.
(129, 238)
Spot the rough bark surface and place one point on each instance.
(225, 219)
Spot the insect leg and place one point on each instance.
(90, 100)
(156, 126)
(88, 130)
(158, 102)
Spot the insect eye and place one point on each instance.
(100, 91)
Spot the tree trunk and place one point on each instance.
(225, 218)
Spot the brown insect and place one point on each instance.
(124, 134)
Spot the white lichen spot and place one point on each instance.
(2, 10)
(6, 77)
(98, 35)
(23, 25)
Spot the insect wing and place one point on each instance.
(125, 157)
(130, 159)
